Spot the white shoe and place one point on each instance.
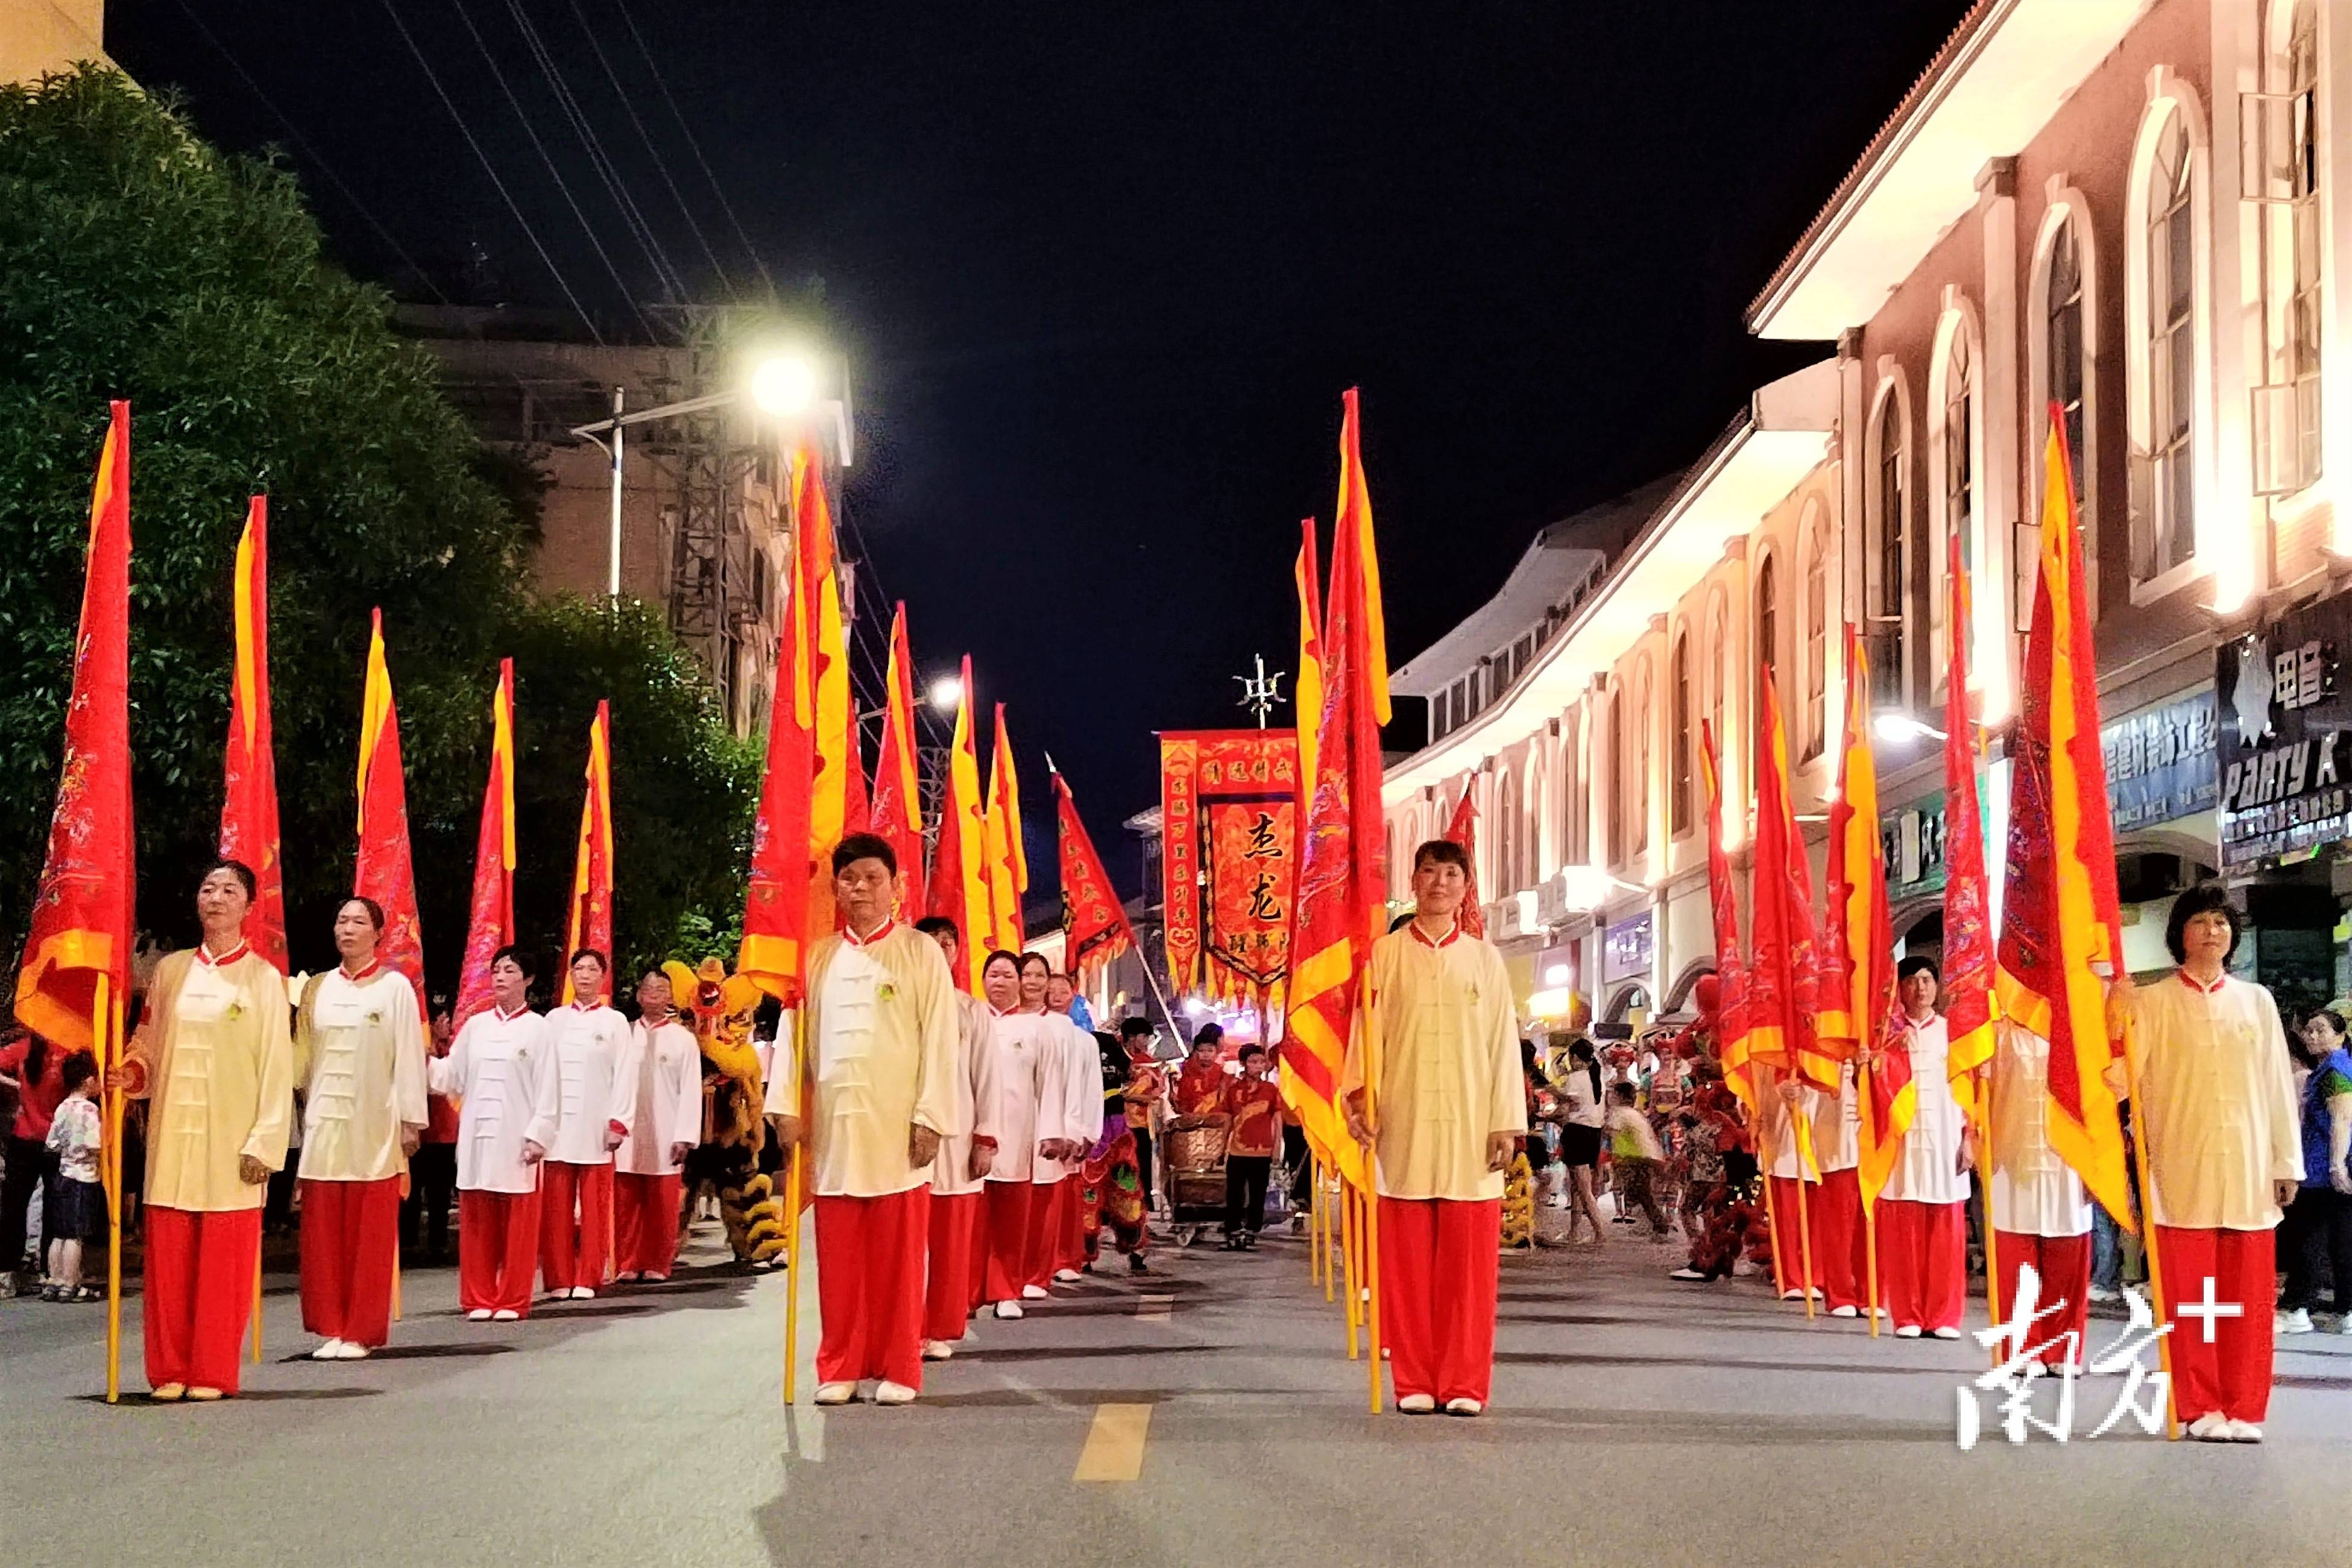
(478, 1315)
(1686, 1273)
(350, 1352)
(506, 1315)
(2244, 1432)
(2296, 1322)
(1742, 1268)
(1066, 1276)
(2212, 1428)
(836, 1393)
(1008, 1308)
(629, 1278)
(2344, 1323)
(1416, 1404)
(1465, 1407)
(1792, 1295)
(2104, 1294)
(1032, 1292)
(1908, 1330)
(937, 1350)
(329, 1350)
(1845, 1311)
(889, 1393)
(582, 1293)
(1946, 1331)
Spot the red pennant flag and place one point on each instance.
(1730, 968)
(81, 926)
(490, 924)
(834, 718)
(1093, 918)
(1781, 1002)
(1464, 830)
(1342, 884)
(959, 869)
(2061, 929)
(384, 872)
(776, 903)
(1008, 859)
(1970, 964)
(249, 828)
(896, 806)
(1307, 694)
(590, 922)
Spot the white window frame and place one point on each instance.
(1894, 391)
(1957, 332)
(1814, 629)
(2169, 96)
(2069, 211)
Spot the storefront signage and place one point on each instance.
(1912, 842)
(2285, 737)
(2160, 763)
(1625, 949)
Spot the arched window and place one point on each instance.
(2063, 353)
(1685, 783)
(2286, 185)
(1956, 484)
(1887, 572)
(1637, 725)
(1506, 838)
(2164, 306)
(1613, 803)
(1768, 629)
(1718, 638)
(1817, 633)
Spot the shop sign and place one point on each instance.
(1912, 842)
(2285, 737)
(2160, 763)
(1625, 949)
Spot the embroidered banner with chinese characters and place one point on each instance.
(1213, 888)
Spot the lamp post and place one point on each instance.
(782, 386)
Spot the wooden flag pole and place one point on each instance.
(1371, 1271)
(1804, 1206)
(1869, 1203)
(2157, 1297)
(1351, 1256)
(256, 1306)
(1313, 1219)
(1981, 1123)
(106, 1020)
(793, 1222)
(1765, 1156)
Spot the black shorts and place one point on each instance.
(73, 1210)
(1579, 1146)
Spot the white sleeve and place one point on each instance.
(686, 1109)
(628, 1070)
(447, 1075)
(1085, 1087)
(408, 1059)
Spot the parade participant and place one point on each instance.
(878, 1047)
(1446, 1119)
(2219, 1132)
(1147, 1091)
(1200, 1084)
(1833, 1195)
(2040, 1214)
(1110, 1181)
(1020, 1048)
(662, 1080)
(580, 1121)
(498, 1071)
(1254, 1103)
(1068, 1121)
(433, 1168)
(1923, 1228)
(214, 1057)
(959, 1173)
(359, 1055)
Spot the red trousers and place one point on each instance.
(1052, 1217)
(1832, 1227)
(573, 1248)
(497, 1246)
(869, 1287)
(2220, 1363)
(645, 1223)
(201, 1266)
(1005, 1269)
(350, 1245)
(2063, 1264)
(1071, 1229)
(955, 1226)
(1923, 1255)
(1439, 1264)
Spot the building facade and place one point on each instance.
(2123, 214)
(39, 36)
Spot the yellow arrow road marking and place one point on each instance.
(1114, 1450)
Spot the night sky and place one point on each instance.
(1102, 271)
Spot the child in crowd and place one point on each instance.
(1634, 1151)
(75, 1203)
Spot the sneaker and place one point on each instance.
(1742, 1268)
(1792, 1295)
(1908, 1330)
(937, 1350)
(1135, 1265)
(1067, 1276)
(7, 1284)
(329, 1350)
(1032, 1292)
(1945, 1332)
(2244, 1432)
(889, 1393)
(582, 1293)
(478, 1315)
(506, 1315)
(2212, 1428)
(1845, 1311)
(836, 1393)
(2105, 1293)
(2344, 1322)
(1686, 1273)
(1465, 1407)
(2298, 1320)
(1008, 1308)
(1417, 1404)
(351, 1350)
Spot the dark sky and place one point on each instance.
(1102, 271)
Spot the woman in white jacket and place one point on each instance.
(661, 1078)
(497, 1068)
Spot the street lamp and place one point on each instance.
(1585, 888)
(946, 694)
(1901, 728)
(781, 385)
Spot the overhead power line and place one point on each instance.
(696, 147)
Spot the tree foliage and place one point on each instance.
(137, 262)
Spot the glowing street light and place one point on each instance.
(946, 694)
(1901, 728)
(783, 384)
(1585, 888)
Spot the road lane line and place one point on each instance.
(1154, 1308)
(1114, 1450)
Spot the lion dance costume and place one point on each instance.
(734, 1137)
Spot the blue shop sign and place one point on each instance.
(2164, 763)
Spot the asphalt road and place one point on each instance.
(1634, 1421)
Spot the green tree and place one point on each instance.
(137, 262)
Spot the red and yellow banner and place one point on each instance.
(248, 827)
(1252, 884)
(959, 889)
(1306, 701)
(81, 915)
(1970, 999)
(1858, 977)
(1007, 859)
(489, 922)
(1730, 968)
(1781, 1000)
(1093, 919)
(1200, 772)
(896, 806)
(1464, 830)
(386, 873)
(2061, 931)
(590, 922)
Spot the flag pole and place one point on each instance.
(793, 1220)
(1869, 1204)
(1981, 1123)
(108, 1017)
(1767, 1156)
(1805, 1156)
(1371, 1272)
(2157, 1298)
(1350, 1257)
